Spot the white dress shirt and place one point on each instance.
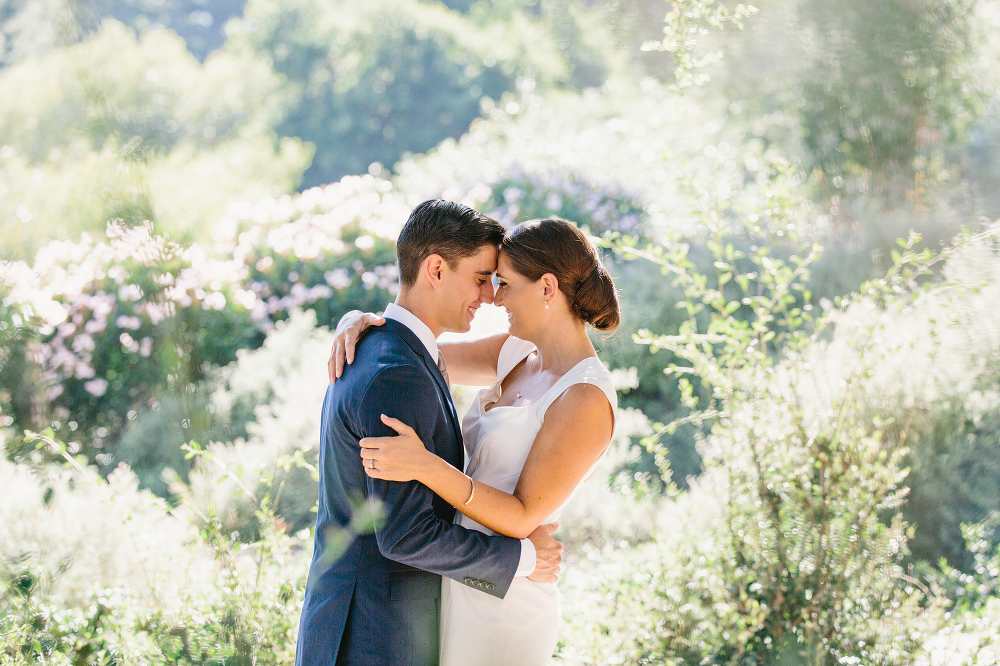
(526, 566)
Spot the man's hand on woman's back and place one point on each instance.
(548, 554)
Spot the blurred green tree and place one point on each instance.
(870, 94)
(158, 137)
(370, 82)
(200, 23)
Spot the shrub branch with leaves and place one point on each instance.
(803, 554)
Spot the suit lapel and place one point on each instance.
(444, 392)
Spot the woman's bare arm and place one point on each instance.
(576, 431)
(473, 362)
(470, 362)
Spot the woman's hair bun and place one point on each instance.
(557, 246)
(596, 300)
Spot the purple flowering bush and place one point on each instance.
(520, 195)
(133, 321)
(123, 318)
(329, 249)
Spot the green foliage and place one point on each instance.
(16, 331)
(878, 100)
(684, 25)
(371, 82)
(970, 637)
(113, 575)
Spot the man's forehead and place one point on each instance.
(483, 262)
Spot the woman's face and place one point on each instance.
(522, 298)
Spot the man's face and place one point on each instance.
(466, 288)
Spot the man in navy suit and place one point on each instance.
(376, 600)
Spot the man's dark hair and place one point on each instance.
(446, 228)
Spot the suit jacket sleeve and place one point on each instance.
(411, 532)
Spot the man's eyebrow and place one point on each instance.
(486, 273)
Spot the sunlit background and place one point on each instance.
(796, 200)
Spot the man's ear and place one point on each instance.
(433, 267)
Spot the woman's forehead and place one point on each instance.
(503, 264)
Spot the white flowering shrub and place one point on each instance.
(521, 196)
(278, 390)
(632, 157)
(94, 570)
(971, 637)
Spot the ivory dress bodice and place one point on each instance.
(498, 438)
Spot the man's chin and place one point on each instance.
(459, 327)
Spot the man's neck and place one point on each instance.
(421, 310)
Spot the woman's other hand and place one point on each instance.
(349, 329)
(401, 458)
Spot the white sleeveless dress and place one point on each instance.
(522, 628)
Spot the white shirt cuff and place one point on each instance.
(526, 566)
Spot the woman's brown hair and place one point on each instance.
(556, 246)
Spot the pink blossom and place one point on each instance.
(96, 387)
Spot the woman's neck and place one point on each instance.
(562, 347)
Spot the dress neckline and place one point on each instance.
(497, 385)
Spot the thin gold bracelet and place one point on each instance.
(472, 493)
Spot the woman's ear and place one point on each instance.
(550, 285)
(432, 267)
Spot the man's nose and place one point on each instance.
(486, 294)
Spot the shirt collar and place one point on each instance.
(412, 322)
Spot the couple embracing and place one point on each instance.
(461, 568)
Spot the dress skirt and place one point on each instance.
(481, 630)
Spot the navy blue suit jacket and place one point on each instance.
(377, 601)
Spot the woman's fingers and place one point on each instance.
(346, 341)
(337, 358)
(341, 355)
(378, 467)
(351, 336)
(398, 425)
(331, 363)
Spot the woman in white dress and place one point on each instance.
(531, 438)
